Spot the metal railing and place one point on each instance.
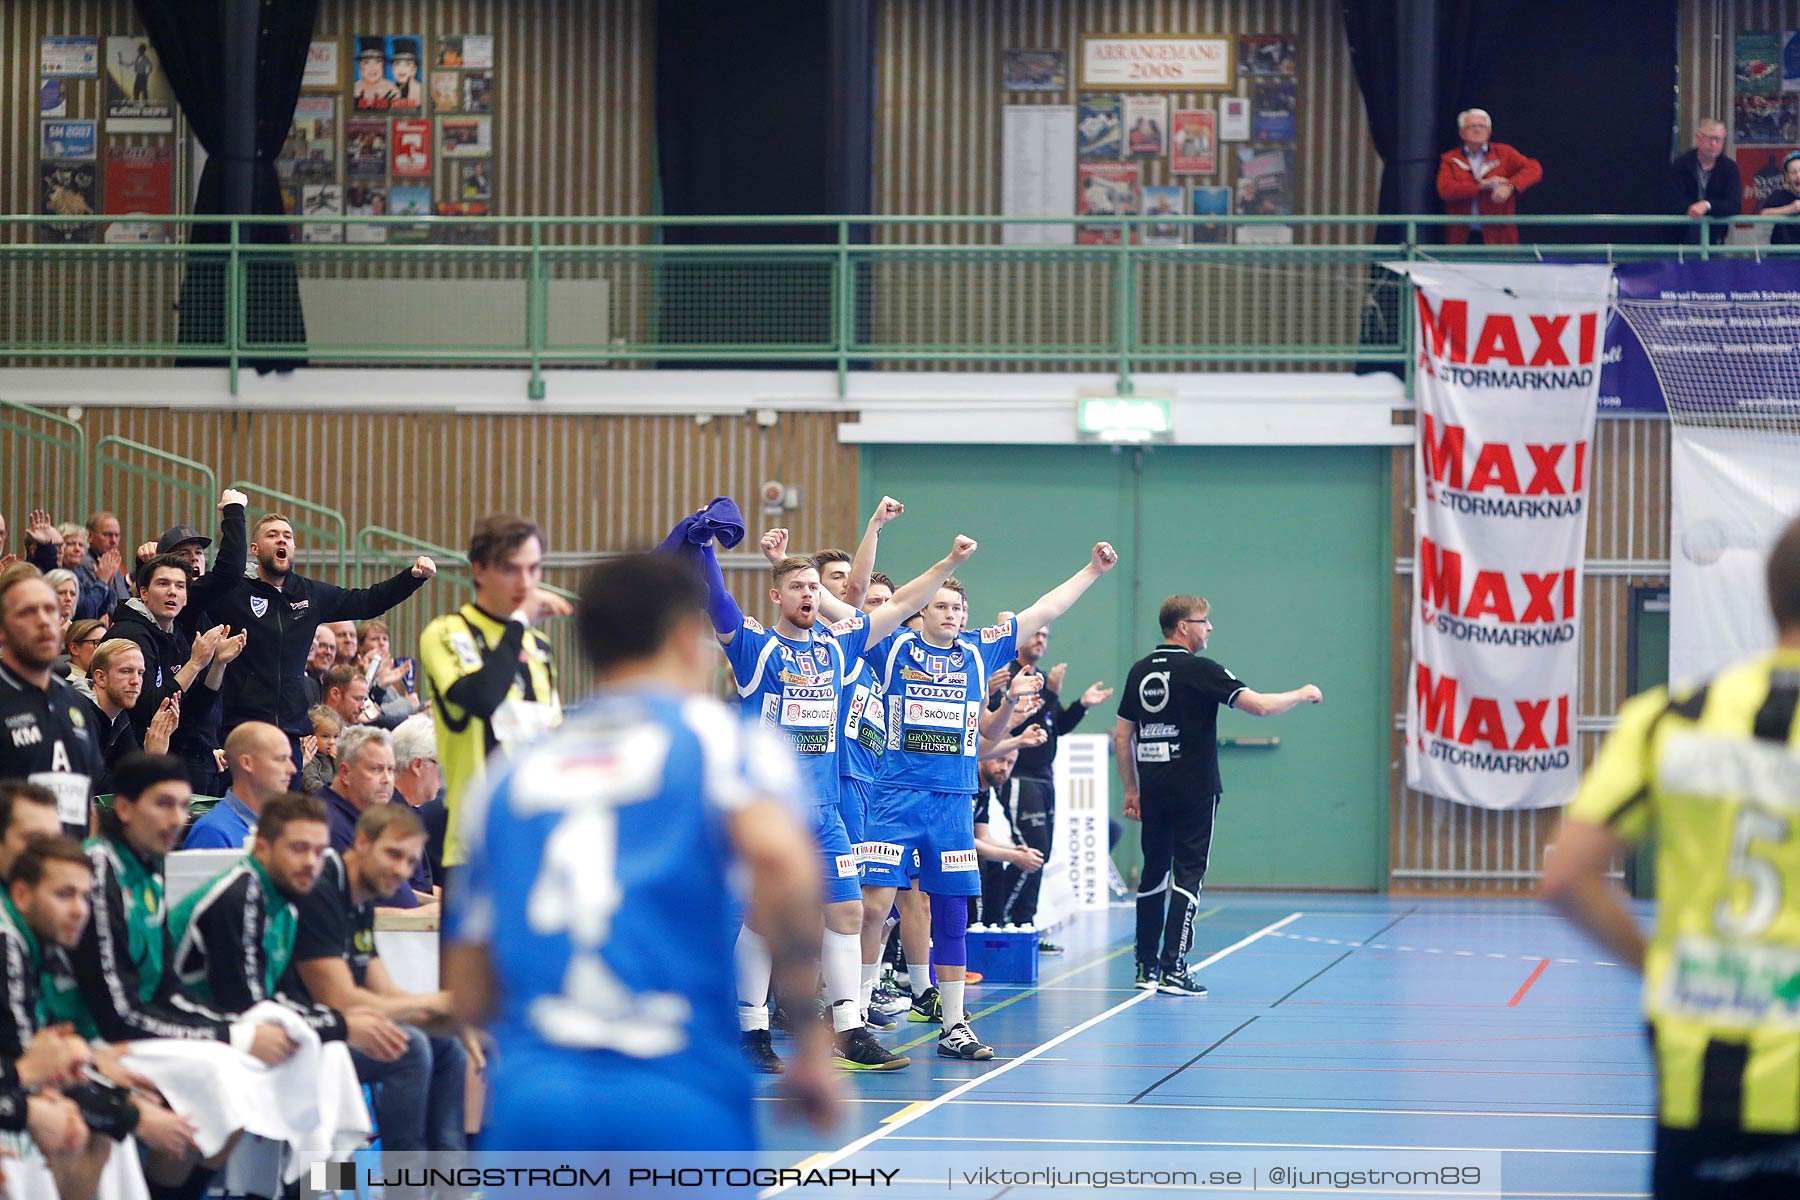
(846, 293)
(43, 464)
(155, 488)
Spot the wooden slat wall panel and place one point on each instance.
(1628, 519)
(938, 151)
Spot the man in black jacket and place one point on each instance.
(281, 608)
(1704, 183)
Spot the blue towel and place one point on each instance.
(719, 521)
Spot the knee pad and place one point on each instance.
(949, 931)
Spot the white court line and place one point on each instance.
(875, 1135)
(1283, 1108)
(1276, 1145)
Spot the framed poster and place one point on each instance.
(446, 92)
(310, 151)
(1037, 172)
(1211, 202)
(53, 98)
(140, 181)
(412, 149)
(324, 66)
(389, 74)
(474, 180)
(66, 189)
(1034, 70)
(322, 200)
(1196, 142)
(412, 200)
(1272, 110)
(365, 148)
(69, 57)
(1266, 56)
(138, 98)
(1163, 201)
(1099, 128)
(365, 200)
(1146, 126)
(478, 92)
(1158, 62)
(1105, 190)
(467, 137)
(1234, 119)
(71, 140)
(1265, 182)
(460, 51)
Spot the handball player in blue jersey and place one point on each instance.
(593, 929)
(792, 678)
(920, 822)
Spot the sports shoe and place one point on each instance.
(1048, 947)
(754, 1043)
(927, 1008)
(972, 977)
(879, 1021)
(1180, 983)
(1146, 978)
(959, 1041)
(888, 1002)
(857, 1050)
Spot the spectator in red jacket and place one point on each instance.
(1483, 178)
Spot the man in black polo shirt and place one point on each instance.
(1166, 735)
(46, 736)
(419, 1097)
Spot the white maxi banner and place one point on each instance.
(1507, 378)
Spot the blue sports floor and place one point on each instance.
(1334, 1023)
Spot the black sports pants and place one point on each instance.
(1178, 832)
(1012, 898)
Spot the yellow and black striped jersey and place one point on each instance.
(1714, 773)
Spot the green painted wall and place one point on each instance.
(1290, 547)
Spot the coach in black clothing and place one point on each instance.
(1704, 183)
(1166, 740)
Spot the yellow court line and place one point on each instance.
(901, 1112)
(1034, 990)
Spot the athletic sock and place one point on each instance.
(754, 966)
(920, 975)
(952, 996)
(841, 961)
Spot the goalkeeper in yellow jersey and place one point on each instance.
(1712, 771)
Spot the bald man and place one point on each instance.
(261, 765)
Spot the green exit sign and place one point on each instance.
(1124, 419)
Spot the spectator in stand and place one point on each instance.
(281, 609)
(106, 559)
(417, 784)
(95, 576)
(67, 586)
(390, 690)
(319, 660)
(80, 640)
(1785, 203)
(364, 780)
(343, 634)
(1483, 178)
(118, 679)
(346, 693)
(258, 758)
(42, 543)
(1704, 183)
(319, 765)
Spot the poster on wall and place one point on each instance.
(1105, 190)
(1037, 172)
(365, 148)
(478, 92)
(446, 92)
(365, 200)
(140, 181)
(1194, 134)
(53, 98)
(138, 98)
(1211, 202)
(1099, 129)
(1234, 119)
(1766, 120)
(1758, 70)
(474, 180)
(1034, 70)
(310, 151)
(66, 189)
(412, 149)
(1265, 181)
(1266, 56)
(1760, 168)
(457, 51)
(69, 57)
(410, 200)
(1272, 110)
(322, 200)
(1157, 62)
(72, 140)
(468, 137)
(389, 73)
(1146, 126)
(324, 67)
(1163, 201)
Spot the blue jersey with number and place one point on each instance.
(864, 727)
(795, 688)
(596, 879)
(934, 702)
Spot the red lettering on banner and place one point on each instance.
(1494, 468)
(1493, 593)
(1445, 336)
(1549, 334)
(1485, 718)
(1446, 328)
(1496, 463)
(1543, 470)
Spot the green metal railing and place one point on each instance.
(321, 532)
(847, 293)
(43, 464)
(155, 488)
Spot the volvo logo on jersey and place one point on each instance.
(1507, 392)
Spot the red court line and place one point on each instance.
(1543, 965)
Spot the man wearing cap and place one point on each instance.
(373, 89)
(403, 65)
(197, 737)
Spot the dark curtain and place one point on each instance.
(760, 109)
(189, 36)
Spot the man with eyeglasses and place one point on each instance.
(1166, 744)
